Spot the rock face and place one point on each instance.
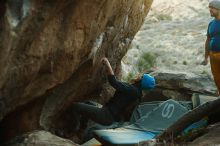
(40, 138)
(50, 52)
(210, 138)
(180, 86)
(186, 81)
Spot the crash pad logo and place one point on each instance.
(168, 110)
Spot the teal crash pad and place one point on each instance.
(146, 126)
(122, 136)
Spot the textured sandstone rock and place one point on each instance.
(186, 81)
(50, 52)
(180, 86)
(210, 138)
(40, 138)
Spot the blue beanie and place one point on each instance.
(147, 82)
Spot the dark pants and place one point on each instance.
(99, 115)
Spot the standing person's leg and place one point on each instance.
(96, 114)
(215, 67)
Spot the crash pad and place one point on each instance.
(199, 99)
(143, 109)
(122, 136)
(161, 117)
(146, 127)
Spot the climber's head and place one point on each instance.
(147, 82)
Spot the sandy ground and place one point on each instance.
(175, 32)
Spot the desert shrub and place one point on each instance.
(184, 62)
(146, 61)
(160, 16)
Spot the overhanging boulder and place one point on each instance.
(50, 53)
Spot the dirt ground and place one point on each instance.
(175, 32)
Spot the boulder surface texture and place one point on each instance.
(50, 55)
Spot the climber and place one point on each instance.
(212, 43)
(124, 95)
